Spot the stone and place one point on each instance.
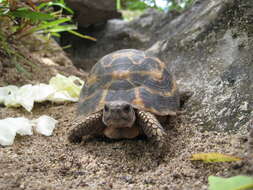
(207, 58)
(92, 12)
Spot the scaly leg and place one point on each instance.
(86, 126)
(151, 127)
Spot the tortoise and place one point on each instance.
(125, 94)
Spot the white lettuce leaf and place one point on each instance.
(60, 89)
(45, 125)
(10, 127)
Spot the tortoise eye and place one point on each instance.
(106, 108)
(126, 108)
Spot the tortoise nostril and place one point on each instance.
(126, 108)
(106, 108)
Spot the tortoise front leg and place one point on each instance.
(86, 126)
(151, 127)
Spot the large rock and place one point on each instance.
(210, 50)
(92, 12)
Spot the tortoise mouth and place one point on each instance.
(117, 124)
(121, 133)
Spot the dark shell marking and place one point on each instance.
(131, 76)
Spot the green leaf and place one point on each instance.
(66, 47)
(82, 36)
(62, 5)
(32, 15)
(214, 157)
(67, 84)
(61, 28)
(56, 34)
(118, 4)
(3, 2)
(4, 10)
(232, 183)
(138, 5)
(22, 70)
(48, 25)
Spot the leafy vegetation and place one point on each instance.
(214, 157)
(219, 183)
(144, 4)
(19, 19)
(134, 5)
(27, 17)
(232, 183)
(133, 8)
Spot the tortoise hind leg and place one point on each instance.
(151, 127)
(86, 126)
(184, 97)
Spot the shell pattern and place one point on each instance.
(131, 76)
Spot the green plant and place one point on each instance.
(21, 18)
(232, 183)
(177, 5)
(27, 18)
(133, 5)
(131, 9)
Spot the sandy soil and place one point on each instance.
(39, 162)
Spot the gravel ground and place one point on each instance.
(39, 162)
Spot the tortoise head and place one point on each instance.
(118, 114)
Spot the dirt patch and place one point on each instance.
(35, 61)
(39, 162)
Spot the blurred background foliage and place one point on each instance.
(133, 8)
(25, 17)
(164, 5)
(20, 19)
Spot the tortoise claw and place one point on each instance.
(75, 139)
(184, 97)
(152, 128)
(86, 126)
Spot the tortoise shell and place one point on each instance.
(132, 76)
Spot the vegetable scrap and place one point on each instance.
(60, 89)
(214, 157)
(9, 127)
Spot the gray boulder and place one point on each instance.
(92, 12)
(210, 49)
